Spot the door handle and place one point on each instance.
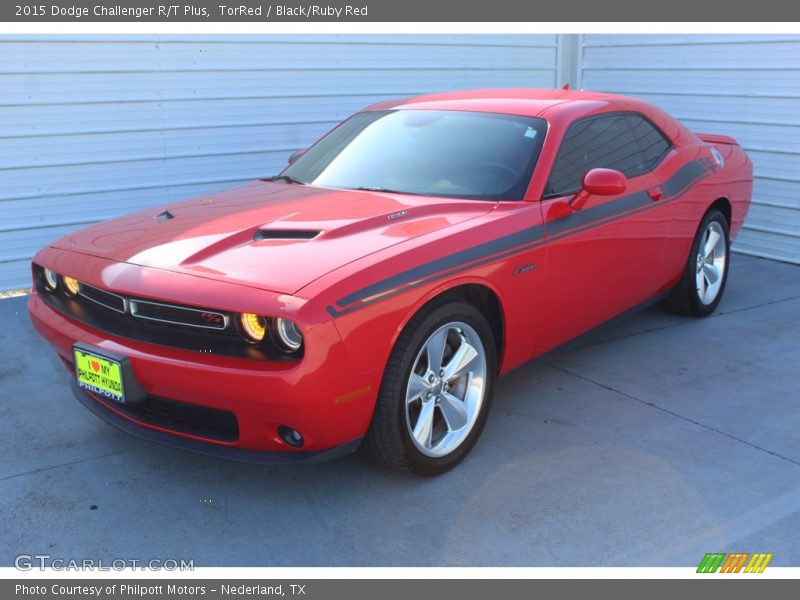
(655, 194)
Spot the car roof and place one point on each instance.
(519, 101)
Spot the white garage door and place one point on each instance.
(92, 127)
(744, 86)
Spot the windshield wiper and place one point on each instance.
(285, 179)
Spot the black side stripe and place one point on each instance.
(514, 240)
(522, 241)
(687, 176)
(393, 292)
(596, 214)
(683, 179)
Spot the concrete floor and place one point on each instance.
(652, 443)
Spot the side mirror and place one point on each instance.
(295, 155)
(599, 182)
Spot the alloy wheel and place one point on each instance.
(446, 389)
(710, 263)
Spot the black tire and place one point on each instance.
(388, 440)
(685, 298)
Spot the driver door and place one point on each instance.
(606, 257)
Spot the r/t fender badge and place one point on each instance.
(397, 215)
(524, 268)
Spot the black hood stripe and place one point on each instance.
(522, 241)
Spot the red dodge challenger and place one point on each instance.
(373, 291)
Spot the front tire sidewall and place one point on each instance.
(417, 461)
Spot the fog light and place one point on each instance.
(291, 436)
(50, 279)
(71, 285)
(288, 334)
(253, 326)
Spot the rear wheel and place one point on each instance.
(436, 390)
(703, 282)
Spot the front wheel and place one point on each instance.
(436, 390)
(703, 282)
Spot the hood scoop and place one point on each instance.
(285, 234)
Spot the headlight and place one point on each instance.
(288, 334)
(71, 285)
(253, 326)
(50, 279)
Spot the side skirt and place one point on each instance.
(589, 335)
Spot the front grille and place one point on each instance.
(103, 298)
(182, 417)
(186, 418)
(208, 331)
(178, 315)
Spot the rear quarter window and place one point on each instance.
(652, 143)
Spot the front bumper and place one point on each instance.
(322, 396)
(110, 416)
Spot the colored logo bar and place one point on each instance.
(736, 562)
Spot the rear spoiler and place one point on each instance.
(715, 138)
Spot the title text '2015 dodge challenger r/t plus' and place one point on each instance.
(373, 291)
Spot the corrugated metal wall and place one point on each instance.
(92, 127)
(746, 86)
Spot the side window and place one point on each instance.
(652, 143)
(625, 142)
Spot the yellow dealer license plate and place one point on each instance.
(99, 374)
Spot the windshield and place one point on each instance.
(485, 156)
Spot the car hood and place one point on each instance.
(270, 235)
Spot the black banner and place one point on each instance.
(418, 589)
(255, 11)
